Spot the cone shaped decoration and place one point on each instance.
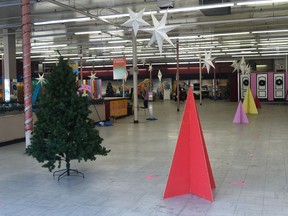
(257, 102)
(249, 103)
(240, 115)
(190, 171)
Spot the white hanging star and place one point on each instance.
(150, 68)
(159, 32)
(135, 20)
(159, 75)
(208, 61)
(143, 61)
(93, 76)
(247, 69)
(242, 65)
(40, 79)
(236, 65)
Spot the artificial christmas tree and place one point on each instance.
(109, 90)
(63, 131)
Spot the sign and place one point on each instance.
(119, 68)
(74, 65)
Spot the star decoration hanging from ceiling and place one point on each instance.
(143, 61)
(93, 76)
(208, 61)
(126, 76)
(159, 32)
(150, 69)
(247, 69)
(159, 75)
(135, 20)
(236, 65)
(41, 79)
(242, 65)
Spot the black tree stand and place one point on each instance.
(67, 172)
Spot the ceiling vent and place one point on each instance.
(216, 11)
(164, 4)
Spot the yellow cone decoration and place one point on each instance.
(249, 103)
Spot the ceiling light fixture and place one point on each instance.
(80, 19)
(88, 32)
(49, 46)
(269, 31)
(101, 48)
(260, 2)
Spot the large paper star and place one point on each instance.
(93, 76)
(247, 69)
(126, 76)
(208, 61)
(159, 32)
(159, 75)
(40, 79)
(242, 65)
(150, 69)
(135, 20)
(236, 65)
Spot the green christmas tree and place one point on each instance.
(109, 90)
(63, 131)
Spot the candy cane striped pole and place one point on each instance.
(26, 47)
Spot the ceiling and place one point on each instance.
(245, 30)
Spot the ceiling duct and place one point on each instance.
(216, 11)
(164, 4)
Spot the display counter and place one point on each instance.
(116, 107)
(11, 127)
(97, 112)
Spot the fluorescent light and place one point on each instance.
(240, 53)
(112, 16)
(121, 52)
(104, 39)
(261, 2)
(92, 60)
(50, 46)
(235, 50)
(50, 62)
(88, 32)
(143, 39)
(81, 19)
(42, 51)
(196, 47)
(112, 47)
(119, 41)
(225, 34)
(223, 61)
(240, 56)
(236, 45)
(40, 43)
(275, 54)
(185, 37)
(269, 31)
(115, 31)
(272, 44)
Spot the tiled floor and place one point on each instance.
(255, 154)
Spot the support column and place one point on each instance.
(177, 77)
(9, 60)
(135, 78)
(26, 47)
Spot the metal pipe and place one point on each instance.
(177, 76)
(26, 47)
(200, 79)
(135, 78)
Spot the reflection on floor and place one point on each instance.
(249, 164)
